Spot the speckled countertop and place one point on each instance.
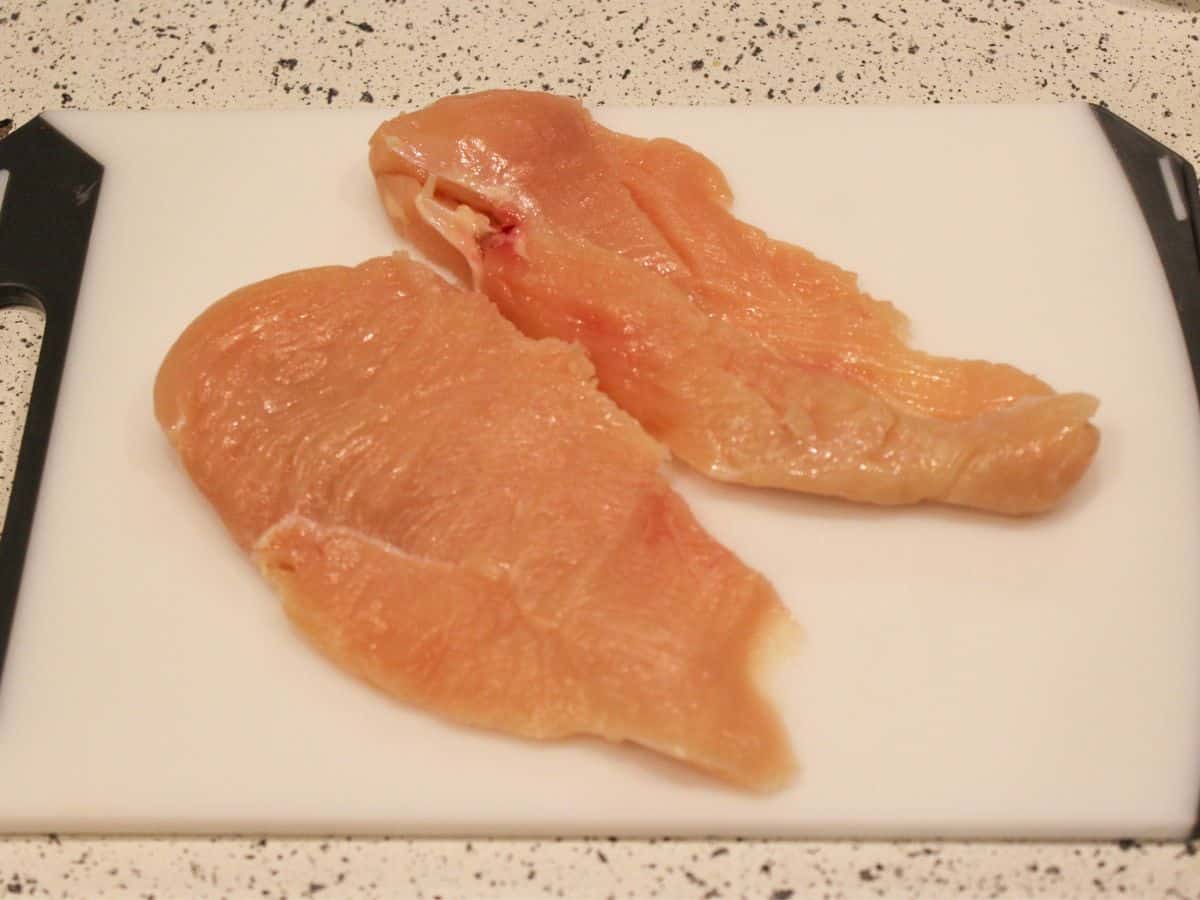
(1141, 57)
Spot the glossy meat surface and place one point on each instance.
(753, 360)
(455, 513)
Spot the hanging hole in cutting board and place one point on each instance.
(1174, 189)
(21, 326)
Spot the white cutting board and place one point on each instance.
(962, 675)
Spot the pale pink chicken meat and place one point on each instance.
(751, 359)
(453, 512)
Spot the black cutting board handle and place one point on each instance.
(45, 224)
(1172, 214)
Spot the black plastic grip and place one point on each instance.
(45, 225)
(1147, 165)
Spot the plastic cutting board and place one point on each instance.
(962, 675)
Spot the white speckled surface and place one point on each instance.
(1141, 57)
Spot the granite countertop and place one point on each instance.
(1141, 57)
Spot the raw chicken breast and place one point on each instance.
(754, 361)
(455, 513)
